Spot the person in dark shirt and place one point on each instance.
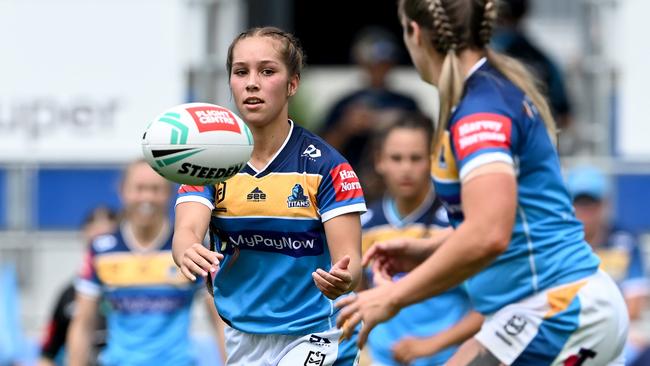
(510, 39)
(349, 123)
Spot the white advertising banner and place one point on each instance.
(632, 53)
(81, 79)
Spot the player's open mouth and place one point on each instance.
(253, 101)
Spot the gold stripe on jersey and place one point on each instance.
(242, 196)
(135, 269)
(443, 165)
(387, 232)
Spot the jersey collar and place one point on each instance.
(257, 173)
(393, 217)
(133, 244)
(476, 66)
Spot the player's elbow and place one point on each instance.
(498, 243)
(493, 240)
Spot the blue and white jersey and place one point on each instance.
(496, 122)
(424, 319)
(270, 230)
(149, 299)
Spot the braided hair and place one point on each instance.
(457, 25)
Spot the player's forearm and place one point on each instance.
(458, 333)
(78, 341)
(464, 254)
(355, 271)
(183, 239)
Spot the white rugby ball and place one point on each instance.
(197, 144)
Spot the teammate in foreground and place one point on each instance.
(517, 244)
(286, 228)
(425, 333)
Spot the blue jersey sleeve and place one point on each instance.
(87, 282)
(339, 191)
(201, 194)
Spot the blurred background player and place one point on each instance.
(617, 248)
(149, 300)
(421, 333)
(349, 123)
(289, 234)
(102, 220)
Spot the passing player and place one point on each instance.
(286, 227)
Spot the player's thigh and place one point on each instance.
(472, 353)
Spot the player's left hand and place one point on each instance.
(369, 307)
(409, 349)
(337, 281)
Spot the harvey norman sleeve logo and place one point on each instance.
(214, 119)
(346, 183)
(481, 131)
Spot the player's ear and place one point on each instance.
(292, 86)
(416, 32)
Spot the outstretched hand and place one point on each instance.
(199, 260)
(398, 255)
(369, 307)
(337, 281)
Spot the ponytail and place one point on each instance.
(450, 90)
(514, 71)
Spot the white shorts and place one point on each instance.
(316, 349)
(581, 323)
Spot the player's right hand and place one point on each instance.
(199, 260)
(398, 255)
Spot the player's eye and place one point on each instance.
(268, 72)
(239, 72)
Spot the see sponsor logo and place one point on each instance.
(346, 183)
(214, 119)
(481, 131)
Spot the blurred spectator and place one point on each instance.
(617, 249)
(101, 220)
(348, 125)
(509, 38)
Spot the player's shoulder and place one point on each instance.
(107, 243)
(315, 151)
(488, 91)
(374, 216)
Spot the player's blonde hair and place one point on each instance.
(456, 25)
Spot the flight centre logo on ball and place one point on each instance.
(214, 119)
